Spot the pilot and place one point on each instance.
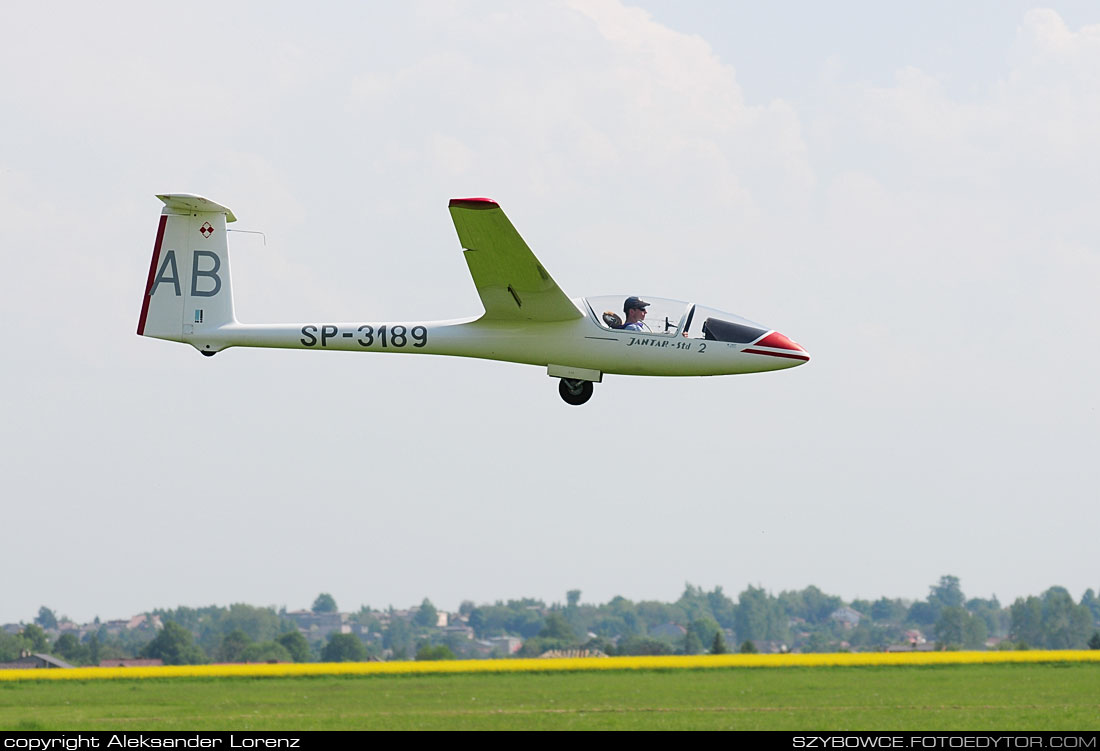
(634, 309)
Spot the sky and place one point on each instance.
(909, 192)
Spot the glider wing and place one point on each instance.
(512, 283)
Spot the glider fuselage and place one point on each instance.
(579, 343)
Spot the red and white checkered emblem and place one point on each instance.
(206, 229)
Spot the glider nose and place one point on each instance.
(781, 346)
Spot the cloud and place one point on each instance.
(935, 250)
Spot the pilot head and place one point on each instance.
(634, 303)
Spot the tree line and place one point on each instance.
(699, 621)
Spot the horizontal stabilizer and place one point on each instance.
(188, 202)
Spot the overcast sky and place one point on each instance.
(911, 193)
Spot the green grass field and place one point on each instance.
(957, 697)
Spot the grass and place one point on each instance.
(945, 697)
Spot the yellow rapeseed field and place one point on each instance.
(671, 662)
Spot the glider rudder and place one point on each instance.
(188, 291)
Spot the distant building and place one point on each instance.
(460, 630)
(560, 653)
(914, 642)
(144, 621)
(34, 661)
(509, 645)
(320, 625)
(846, 616)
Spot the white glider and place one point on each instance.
(528, 319)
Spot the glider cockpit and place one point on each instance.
(665, 317)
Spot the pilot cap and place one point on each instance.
(634, 302)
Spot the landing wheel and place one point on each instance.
(575, 392)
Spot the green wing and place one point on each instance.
(512, 283)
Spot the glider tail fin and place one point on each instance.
(189, 291)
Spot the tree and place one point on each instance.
(398, 637)
(265, 651)
(705, 628)
(427, 616)
(35, 638)
(692, 644)
(642, 645)
(975, 633)
(887, 610)
(922, 614)
(956, 627)
(70, 649)
(991, 612)
(759, 616)
(861, 606)
(344, 648)
(950, 626)
(572, 598)
(440, 652)
(556, 633)
(1051, 621)
(477, 621)
(175, 645)
(10, 646)
(946, 594)
(93, 650)
(260, 624)
(811, 604)
(818, 642)
(721, 607)
(233, 646)
(1094, 642)
(1092, 602)
(693, 602)
(46, 618)
(1027, 620)
(748, 648)
(556, 627)
(296, 645)
(1066, 625)
(718, 646)
(324, 603)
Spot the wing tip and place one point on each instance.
(473, 203)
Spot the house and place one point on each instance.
(314, 625)
(144, 621)
(509, 645)
(460, 630)
(846, 616)
(914, 642)
(32, 661)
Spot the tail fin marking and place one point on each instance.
(189, 291)
(153, 274)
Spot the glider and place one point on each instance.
(528, 319)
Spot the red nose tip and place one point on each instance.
(778, 345)
(779, 341)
